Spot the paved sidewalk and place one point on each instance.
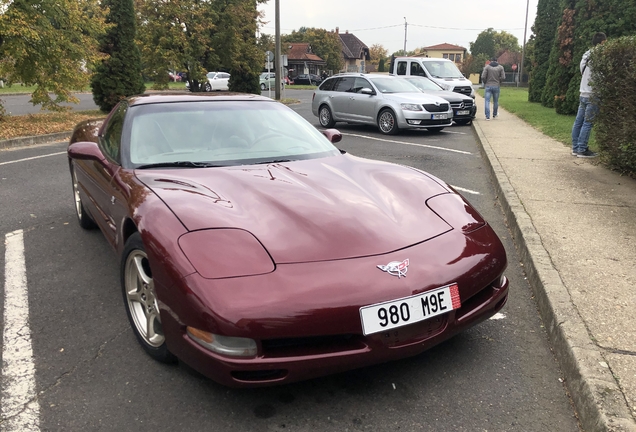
(574, 223)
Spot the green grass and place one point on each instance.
(557, 126)
(19, 88)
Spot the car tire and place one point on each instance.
(140, 300)
(463, 122)
(263, 87)
(208, 87)
(387, 122)
(325, 117)
(435, 130)
(83, 218)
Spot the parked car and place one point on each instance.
(258, 253)
(464, 107)
(443, 71)
(217, 81)
(307, 79)
(268, 80)
(389, 102)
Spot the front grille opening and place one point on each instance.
(312, 345)
(436, 108)
(259, 375)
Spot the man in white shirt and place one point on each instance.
(588, 105)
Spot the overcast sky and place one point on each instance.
(429, 22)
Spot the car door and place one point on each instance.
(104, 185)
(340, 98)
(362, 106)
(224, 81)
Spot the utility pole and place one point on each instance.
(523, 49)
(279, 63)
(405, 25)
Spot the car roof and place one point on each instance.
(194, 97)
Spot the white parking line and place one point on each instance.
(20, 407)
(408, 143)
(31, 158)
(466, 190)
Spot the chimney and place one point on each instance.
(346, 31)
(337, 30)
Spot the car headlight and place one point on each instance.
(446, 87)
(411, 107)
(226, 252)
(225, 345)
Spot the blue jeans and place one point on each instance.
(582, 127)
(494, 92)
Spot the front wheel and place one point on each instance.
(142, 306)
(325, 117)
(263, 87)
(387, 123)
(208, 87)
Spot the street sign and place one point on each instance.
(269, 56)
(514, 67)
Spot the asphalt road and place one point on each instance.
(92, 375)
(20, 105)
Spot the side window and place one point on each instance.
(361, 83)
(401, 68)
(328, 85)
(345, 84)
(416, 69)
(111, 139)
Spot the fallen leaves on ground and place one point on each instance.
(44, 123)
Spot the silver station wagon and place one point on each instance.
(389, 102)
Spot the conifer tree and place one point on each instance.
(544, 30)
(119, 75)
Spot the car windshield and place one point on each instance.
(394, 85)
(211, 75)
(221, 133)
(442, 69)
(424, 84)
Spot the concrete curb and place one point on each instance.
(598, 400)
(34, 140)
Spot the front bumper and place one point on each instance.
(424, 119)
(305, 317)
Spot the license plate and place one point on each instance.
(463, 112)
(408, 310)
(439, 116)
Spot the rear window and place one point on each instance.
(328, 84)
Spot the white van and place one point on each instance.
(442, 71)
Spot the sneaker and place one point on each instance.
(587, 154)
(574, 153)
(487, 118)
(495, 116)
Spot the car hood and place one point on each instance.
(451, 97)
(416, 98)
(314, 210)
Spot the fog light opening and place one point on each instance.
(225, 345)
(414, 122)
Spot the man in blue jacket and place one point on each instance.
(588, 105)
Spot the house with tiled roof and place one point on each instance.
(452, 52)
(301, 60)
(354, 52)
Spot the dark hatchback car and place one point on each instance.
(308, 79)
(464, 107)
(254, 250)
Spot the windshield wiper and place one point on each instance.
(273, 161)
(179, 164)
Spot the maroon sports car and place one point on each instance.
(258, 253)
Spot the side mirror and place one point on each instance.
(333, 135)
(85, 150)
(367, 91)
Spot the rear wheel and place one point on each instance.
(140, 299)
(387, 123)
(84, 219)
(325, 117)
